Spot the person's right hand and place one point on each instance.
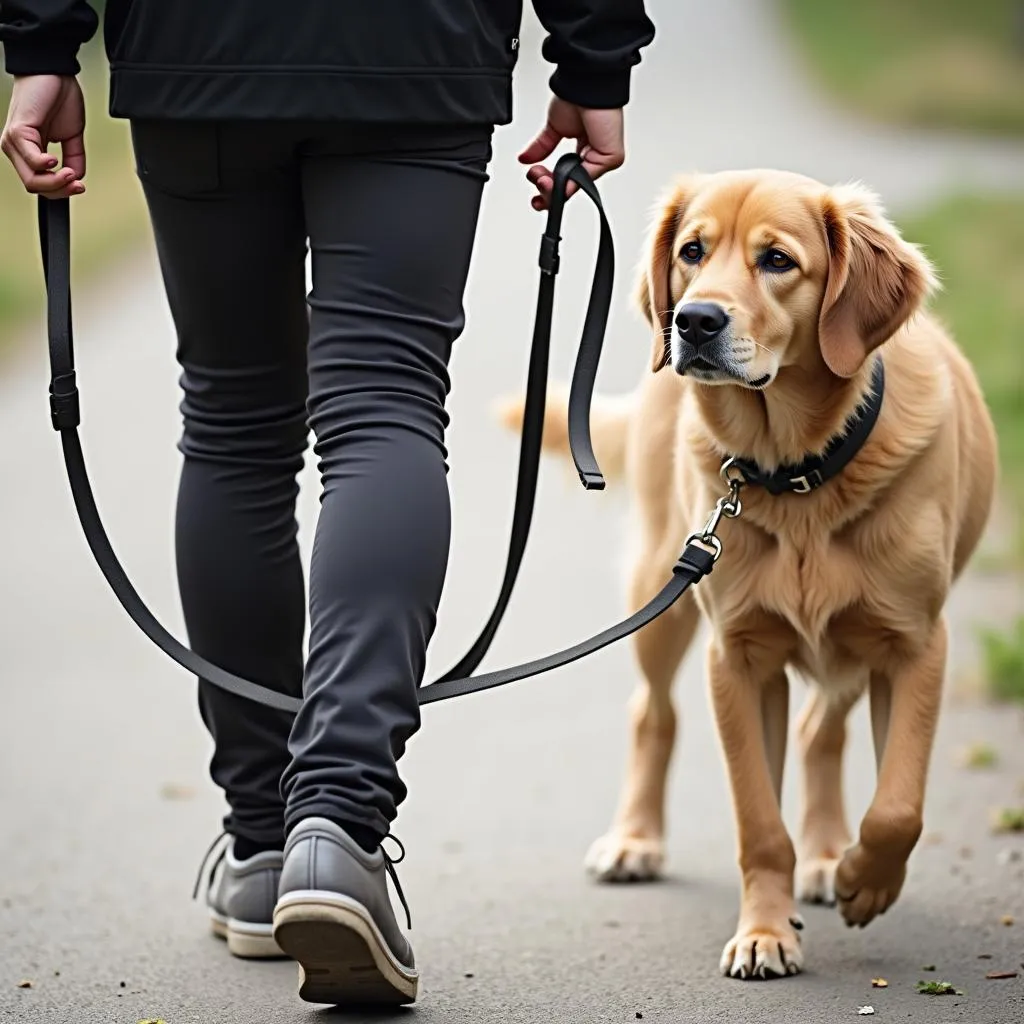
(600, 144)
(45, 109)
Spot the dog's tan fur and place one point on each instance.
(845, 586)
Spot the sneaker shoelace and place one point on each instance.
(214, 862)
(389, 866)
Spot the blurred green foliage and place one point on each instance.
(1004, 662)
(977, 243)
(936, 63)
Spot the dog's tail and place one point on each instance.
(610, 417)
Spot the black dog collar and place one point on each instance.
(816, 470)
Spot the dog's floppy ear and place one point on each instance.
(652, 293)
(876, 280)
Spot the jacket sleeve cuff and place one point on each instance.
(603, 90)
(41, 57)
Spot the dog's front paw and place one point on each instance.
(816, 880)
(764, 951)
(867, 885)
(620, 858)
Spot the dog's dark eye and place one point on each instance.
(777, 261)
(692, 252)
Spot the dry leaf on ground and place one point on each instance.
(879, 983)
(979, 755)
(1000, 975)
(176, 791)
(1008, 819)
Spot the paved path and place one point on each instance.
(106, 807)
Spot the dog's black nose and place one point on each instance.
(701, 322)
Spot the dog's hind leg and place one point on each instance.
(824, 833)
(633, 848)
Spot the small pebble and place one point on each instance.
(175, 791)
(25, 983)
(866, 1011)
(1006, 920)
(639, 1015)
(1009, 856)
(468, 974)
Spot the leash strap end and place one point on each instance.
(695, 561)
(592, 481)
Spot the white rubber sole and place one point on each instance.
(246, 940)
(342, 956)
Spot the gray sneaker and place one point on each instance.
(240, 898)
(334, 917)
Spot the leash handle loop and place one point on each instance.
(569, 167)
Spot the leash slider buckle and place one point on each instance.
(65, 409)
(549, 260)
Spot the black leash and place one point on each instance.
(695, 561)
(584, 378)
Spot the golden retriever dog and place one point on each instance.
(771, 300)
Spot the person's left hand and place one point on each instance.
(45, 109)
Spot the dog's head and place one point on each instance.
(749, 272)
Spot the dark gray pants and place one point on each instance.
(390, 216)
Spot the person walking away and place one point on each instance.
(363, 131)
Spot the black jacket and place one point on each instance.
(359, 60)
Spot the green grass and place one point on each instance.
(977, 243)
(935, 63)
(938, 988)
(1003, 655)
(108, 217)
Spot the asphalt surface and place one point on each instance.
(105, 803)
